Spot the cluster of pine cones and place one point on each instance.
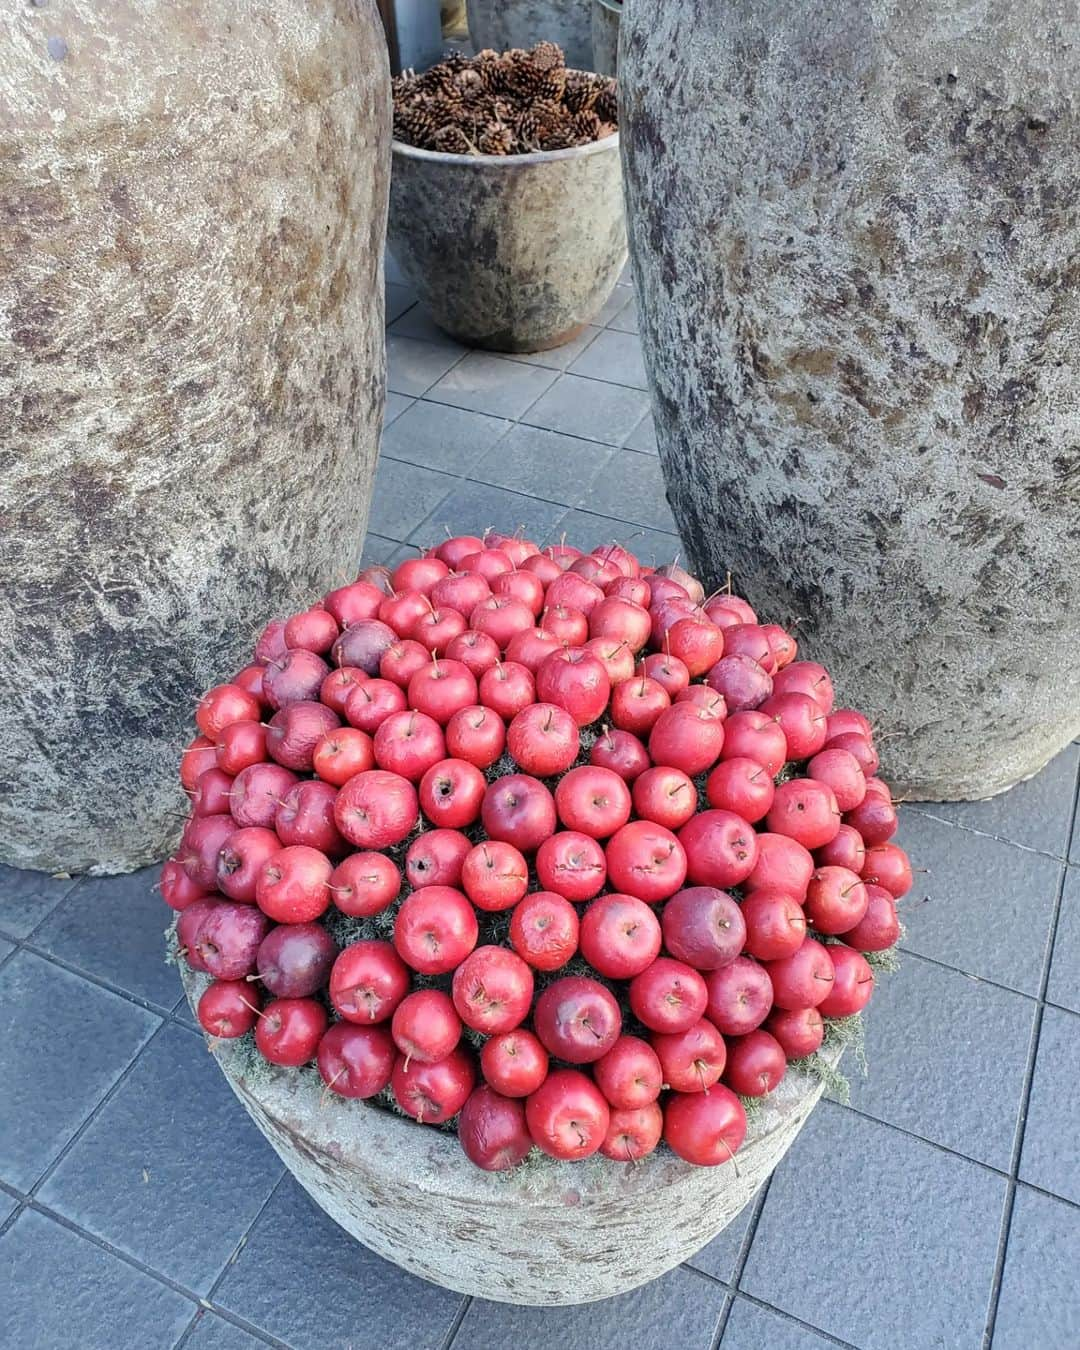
(509, 104)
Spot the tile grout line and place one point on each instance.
(455, 1324)
(1021, 1125)
(918, 810)
(738, 1294)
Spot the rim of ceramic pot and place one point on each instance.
(605, 146)
(615, 6)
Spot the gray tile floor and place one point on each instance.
(138, 1207)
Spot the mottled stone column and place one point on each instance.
(192, 215)
(856, 239)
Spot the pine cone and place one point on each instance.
(529, 131)
(497, 139)
(548, 114)
(452, 141)
(606, 103)
(547, 56)
(580, 92)
(606, 129)
(562, 138)
(415, 126)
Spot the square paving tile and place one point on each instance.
(376, 550)
(681, 1308)
(418, 323)
(589, 408)
(626, 321)
(614, 357)
(1064, 985)
(643, 437)
(404, 495)
(281, 1284)
(866, 1230)
(720, 1258)
(8, 1205)
(6, 948)
(1039, 1308)
(62, 1290)
(492, 384)
(947, 1057)
(632, 488)
(212, 1332)
(395, 406)
(412, 367)
(751, 1327)
(440, 437)
(64, 1043)
(614, 305)
(978, 889)
(399, 299)
(26, 898)
(559, 358)
(544, 464)
(1037, 813)
(113, 928)
(171, 1171)
(476, 507)
(1051, 1156)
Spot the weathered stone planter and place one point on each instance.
(857, 275)
(500, 24)
(191, 360)
(515, 253)
(606, 15)
(570, 1233)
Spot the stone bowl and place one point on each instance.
(500, 24)
(553, 1234)
(515, 253)
(606, 15)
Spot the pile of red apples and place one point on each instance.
(608, 855)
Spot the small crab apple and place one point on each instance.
(806, 811)
(575, 680)
(637, 703)
(376, 809)
(432, 1093)
(364, 884)
(741, 785)
(665, 796)
(739, 996)
(705, 1128)
(178, 890)
(349, 604)
(419, 574)
(802, 980)
(888, 865)
(852, 986)
(292, 884)
(316, 630)
(338, 685)
(241, 859)
(698, 644)
(501, 617)
(577, 1019)
(530, 647)
(477, 735)
(848, 850)
(572, 865)
(646, 861)
(454, 550)
(593, 801)
(189, 924)
(800, 1031)
(355, 1062)
(271, 642)
(743, 683)
(289, 1031)
(296, 677)
(435, 858)
(694, 589)
(620, 752)
(668, 996)
(409, 743)
(368, 705)
(435, 930)
(221, 706)
(518, 809)
(875, 818)
(841, 771)
(400, 610)
(514, 1062)
(227, 941)
(295, 731)
(775, 924)
(507, 688)
(295, 959)
(632, 1135)
(203, 839)
(756, 1064)
(836, 900)
(800, 719)
(622, 620)
(241, 744)
(860, 747)
(494, 875)
(620, 936)
(436, 629)
(783, 646)
(451, 792)
(807, 677)
(543, 739)
(721, 848)
(629, 1074)
(753, 735)
(616, 657)
(574, 592)
(544, 930)
(782, 864)
(492, 1129)
(879, 928)
(441, 688)
(477, 652)
(567, 625)
(306, 816)
(492, 990)
(212, 795)
(362, 644)
(691, 1060)
(524, 587)
(686, 737)
(704, 927)
(250, 679)
(667, 670)
(701, 696)
(399, 663)
(367, 982)
(425, 1026)
(567, 1115)
(228, 1008)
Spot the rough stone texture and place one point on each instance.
(191, 362)
(500, 24)
(856, 250)
(569, 1233)
(515, 253)
(606, 15)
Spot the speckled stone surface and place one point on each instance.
(571, 1233)
(606, 15)
(855, 245)
(500, 24)
(191, 365)
(514, 253)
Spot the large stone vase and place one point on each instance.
(856, 245)
(192, 215)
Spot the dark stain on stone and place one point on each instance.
(993, 479)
